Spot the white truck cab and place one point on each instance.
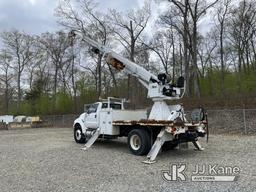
(101, 115)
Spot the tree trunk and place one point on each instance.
(73, 80)
(181, 64)
(254, 55)
(113, 78)
(99, 75)
(186, 46)
(55, 87)
(196, 85)
(6, 97)
(173, 59)
(222, 59)
(132, 81)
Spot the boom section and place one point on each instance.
(121, 63)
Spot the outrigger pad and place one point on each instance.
(84, 148)
(149, 162)
(198, 146)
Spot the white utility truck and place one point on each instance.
(163, 128)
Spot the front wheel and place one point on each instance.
(78, 134)
(139, 141)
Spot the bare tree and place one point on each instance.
(42, 65)
(222, 13)
(188, 15)
(20, 47)
(161, 44)
(128, 29)
(166, 45)
(57, 47)
(197, 9)
(91, 23)
(6, 77)
(207, 49)
(242, 25)
(177, 17)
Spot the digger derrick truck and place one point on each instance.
(165, 126)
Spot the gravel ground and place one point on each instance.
(49, 160)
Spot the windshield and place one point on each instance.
(116, 106)
(92, 108)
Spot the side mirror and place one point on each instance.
(86, 108)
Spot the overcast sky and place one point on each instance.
(37, 16)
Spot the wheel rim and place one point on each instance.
(135, 142)
(78, 134)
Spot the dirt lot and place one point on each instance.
(49, 160)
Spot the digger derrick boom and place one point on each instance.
(120, 63)
(158, 86)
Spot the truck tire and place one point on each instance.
(139, 141)
(169, 145)
(78, 134)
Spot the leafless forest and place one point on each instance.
(52, 73)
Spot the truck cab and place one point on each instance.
(92, 117)
(101, 115)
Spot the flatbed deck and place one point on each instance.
(155, 123)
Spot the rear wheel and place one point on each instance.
(78, 134)
(139, 141)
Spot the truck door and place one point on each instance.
(91, 121)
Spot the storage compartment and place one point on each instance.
(108, 116)
(132, 115)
